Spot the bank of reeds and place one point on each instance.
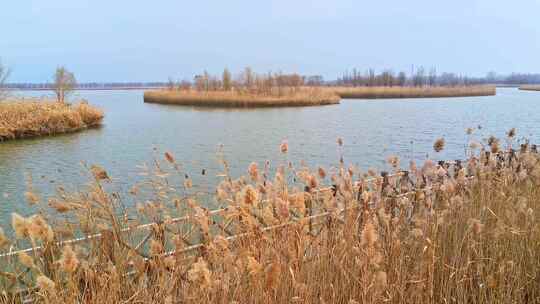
(530, 88)
(239, 99)
(24, 119)
(473, 236)
(413, 92)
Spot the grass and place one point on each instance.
(465, 241)
(530, 88)
(24, 119)
(302, 97)
(413, 92)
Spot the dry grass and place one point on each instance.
(413, 92)
(24, 119)
(303, 97)
(464, 241)
(530, 88)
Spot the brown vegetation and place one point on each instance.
(471, 236)
(248, 89)
(530, 88)
(24, 119)
(413, 92)
(304, 97)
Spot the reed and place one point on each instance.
(238, 99)
(530, 88)
(24, 119)
(463, 240)
(413, 92)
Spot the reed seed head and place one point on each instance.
(26, 260)
(438, 146)
(45, 284)
(169, 157)
(20, 225)
(199, 273)
(321, 172)
(511, 133)
(368, 237)
(68, 261)
(253, 171)
(4, 241)
(284, 147)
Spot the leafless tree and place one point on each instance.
(419, 78)
(315, 80)
(371, 78)
(4, 74)
(184, 85)
(227, 80)
(64, 83)
(402, 79)
(248, 77)
(171, 84)
(387, 78)
(432, 77)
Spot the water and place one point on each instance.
(134, 133)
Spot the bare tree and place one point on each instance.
(64, 83)
(4, 74)
(227, 80)
(371, 78)
(402, 79)
(248, 77)
(171, 84)
(184, 85)
(419, 78)
(432, 77)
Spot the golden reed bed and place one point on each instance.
(530, 88)
(305, 97)
(25, 119)
(413, 92)
(468, 240)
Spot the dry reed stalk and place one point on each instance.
(461, 240)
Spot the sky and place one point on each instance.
(141, 40)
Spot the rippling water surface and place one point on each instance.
(134, 133)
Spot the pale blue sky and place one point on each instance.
(136, 40)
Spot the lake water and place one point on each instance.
(134, 133)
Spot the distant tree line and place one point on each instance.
(422, 77)
(88, 85)
(270, 83)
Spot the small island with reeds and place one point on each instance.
(27, 118)
(247, 90)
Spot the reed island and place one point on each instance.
(248, 89)
(33, 118)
